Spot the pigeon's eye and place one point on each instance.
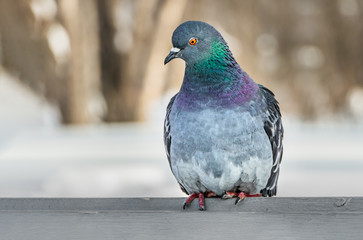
(192, 41)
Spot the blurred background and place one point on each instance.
(83, 91)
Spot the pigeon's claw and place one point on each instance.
(241, 196)
(201, 202)
(189, 199)
(200, 197)
(229, 195)
(210, 194)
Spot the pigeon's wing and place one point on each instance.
(274, 130)
(167, 134)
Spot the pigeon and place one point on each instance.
(222, 131)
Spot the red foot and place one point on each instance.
(210, 194)
(253, 195)
(240, 196)
(201, 202)
(228, 195)
(200, 199)
(190, 199)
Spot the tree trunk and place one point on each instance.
(131, 57)
(73, 84)
(25, 51)
(83, 102)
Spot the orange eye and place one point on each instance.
(192, 41)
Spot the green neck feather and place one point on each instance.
(217, 65)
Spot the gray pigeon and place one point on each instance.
(223, 132)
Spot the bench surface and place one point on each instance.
(163, 218)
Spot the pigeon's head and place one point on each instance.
(194, 41)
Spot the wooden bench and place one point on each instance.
(163, 218)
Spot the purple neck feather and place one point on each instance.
(234, 90)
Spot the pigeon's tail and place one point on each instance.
(269, 192)
(271, 187)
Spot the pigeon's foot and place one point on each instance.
(201, 202)
(240, 196)
(189, 199)
(210, 194)
(200, 199)
(229, 195)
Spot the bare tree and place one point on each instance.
(80, 18)
(308, 52)
(131, 42)
(25, 50)
(71, 84)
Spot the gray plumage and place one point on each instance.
(222, 131)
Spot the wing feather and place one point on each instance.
(274, 130)
(167, 134)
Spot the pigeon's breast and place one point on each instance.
(217, 149)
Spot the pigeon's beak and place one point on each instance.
(174, 53)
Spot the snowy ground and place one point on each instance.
(40, 158)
